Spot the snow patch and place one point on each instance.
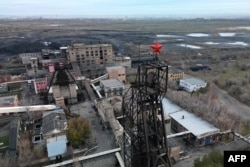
(55, 25)
(227, 34)
(166, 36)
(240, 28)
(198, 35)
(211, 43)
(237, 43)
(190, 46)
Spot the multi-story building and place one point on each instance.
(192, 84)
(9, 101)
(112, 87)
(175, 74)
(123, 61)
(3, 87)
(86, 55)
(40, 85)
(118, 72)
(27, 58)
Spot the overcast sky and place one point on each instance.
(122, 8)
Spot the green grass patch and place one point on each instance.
(131, 78)
(4, 141)
(226, 138)
(246, 129)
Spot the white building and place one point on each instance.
(192, 84)
(112, 87)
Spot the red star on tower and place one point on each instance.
(156, 47)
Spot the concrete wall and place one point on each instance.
(26, 57)
(174, 153)
(119, 73)
(56, 91)
(90, 54)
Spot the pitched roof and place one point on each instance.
(54, 121)
(197, 126)
(13, 134)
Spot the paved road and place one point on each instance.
(105, 138)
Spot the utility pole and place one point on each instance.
(139, 52)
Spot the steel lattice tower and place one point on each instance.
(145, 141)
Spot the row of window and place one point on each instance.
(41, 83)
(41, 90)
(88, 61)
(90, 49)
(87, 54)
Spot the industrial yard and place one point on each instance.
(104, 71)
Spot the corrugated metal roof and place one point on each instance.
(54, 121)
(191, 122)
(56, 145)
(197, 126)
(169, 107)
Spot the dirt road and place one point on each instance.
(233, 106)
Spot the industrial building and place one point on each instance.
(175, 74)
(27, 57)
(56, 146)
(197, 131)
(201, 132)
(54, 123)
(3, 87)
(118, 72)
(192, 84)
(86, 55)
(40, 85)
(112, 87)
(123, 61)
(9, 101)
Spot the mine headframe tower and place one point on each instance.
(145, 141)
(61, 76)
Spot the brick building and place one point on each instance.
(90, 54)
(40, 85)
